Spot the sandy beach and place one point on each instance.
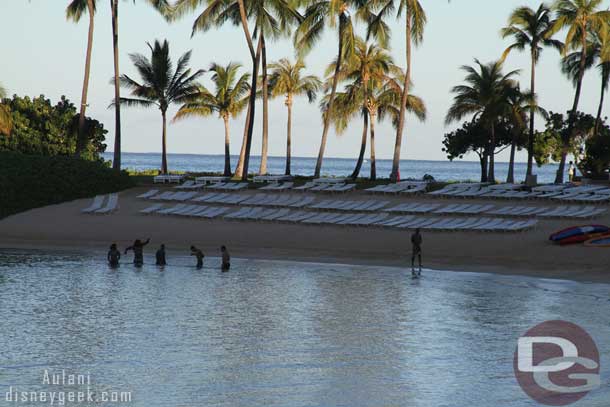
(525, 253)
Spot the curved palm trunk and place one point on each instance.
(530, 140)
(403, 104)
(242, 152)
(331, 100)
(116, 164)
(572, 120)
(289, 135)
(164, 145)
(492, 160)
(265, 142)
(81, 142)
(227, 172)
(373, 159)
(250, 123)
(365, 130)
(510, 178)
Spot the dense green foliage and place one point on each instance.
(30, 181)
(39, 127)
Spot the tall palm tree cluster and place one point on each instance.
(362, 81)
(490, 95)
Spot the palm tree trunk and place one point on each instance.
(403, 102)
(510, 179)
(331, 100)
(81, 143)
(242, 152)
(265, 142)
(116, 164)
(289, 137)
(373, 159)
(365, 130)
(573, 112)
(598, 119)
(492, 148)
(530, 140)
(164, 145)
(250, 123)
(227, 172)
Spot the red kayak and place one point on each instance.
(579, 238)
(577, 234)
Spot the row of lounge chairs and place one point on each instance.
(585, 193)
(372, 205)
(403, 188)
(324, 218)
(98, 207)
(168, 179)
(218, 186)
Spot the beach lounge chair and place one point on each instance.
(370, 220)
(277, 214)
(301, 216)
(186, 209)
(172, 209)
(376, 206)
(212, 213)
(417, 223)
(148, 194)
(378, 189)
(152, 209)
(185, 196)
(111, 206)
(188, 185)
(240, 213)
(217, 186)
(97, 203)
(414, 190)
(269, 187)
(396, 221)
(342, 188)
(303, 203)
(305, 187)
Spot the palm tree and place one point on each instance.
(485, 94)
(74, 12)
(318, 15)
(163, 7)
(228, 100)
(602, 40)
(6, 119)
(161, 84)
(519, 104)
(531, 29)
(286, 80)
(366, 70)
(415, 22)
(580, 17)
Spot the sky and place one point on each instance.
(43, 53)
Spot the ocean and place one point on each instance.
(338, 167)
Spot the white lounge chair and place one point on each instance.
(303, 203)
(152, 209)
(188, 185)
(111, 206)
(148, 194)
(169, 211)
(97, 203)
(305, 187)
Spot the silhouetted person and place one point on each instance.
(138, 251)
(226, 259)
(416, 242)
(199, 255)
(114, 255)
(160, 256)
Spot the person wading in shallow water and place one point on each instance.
(160, 256)
(114, 255)
(138, 251)
(226, 259)
(199, 255)
(416, 242)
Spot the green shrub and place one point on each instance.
(29, 181)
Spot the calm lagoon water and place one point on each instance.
(279, 333)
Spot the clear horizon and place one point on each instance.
(456, 34)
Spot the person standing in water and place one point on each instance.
(160, 256)
(138, 251)
(199, 255)
(226, 259)
(416, 242)
(114, 255)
